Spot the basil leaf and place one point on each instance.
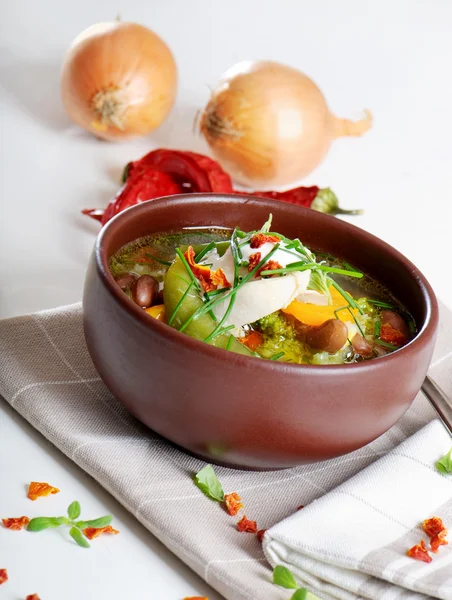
(283, 577)
(100, 522)
(300, 594)
(444, 465)
(208, 483)
(73, 510)
(78, 536)
(40, 523)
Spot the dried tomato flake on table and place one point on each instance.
(16, 523)
(32, 597)
(94, 532)
(247, 526)
(438, 540)
(260, 534)
(433, 526)
(37, 489)
(420, 552)
(259, 239)
(233, 503)
(3, 576)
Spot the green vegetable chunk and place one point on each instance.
(177, 281)
(444, 465)
(208, 482)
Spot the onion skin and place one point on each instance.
(269, 124)
(118, 81)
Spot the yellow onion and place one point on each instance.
(119, 80)
(269, 124)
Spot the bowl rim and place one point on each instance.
(163, 330)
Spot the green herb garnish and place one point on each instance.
(379, 303)
(179, 304)
(76, 531)
(377, 329)
(347, 296)
(204, 251)
(187, 268)
(230, 341)
(159, 260)
(283, 577)
(209, 483)
(444, 465)
(303, 266)
(277, 355)
(387, 345)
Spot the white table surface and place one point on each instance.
(391, 57)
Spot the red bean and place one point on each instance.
(124, 281)
(329, 337)
(396, 321)
(145, 290)
(361, 346)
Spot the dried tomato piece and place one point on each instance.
(16, 523)
(233, 503)
(3, 576)
(37, 489)
(438, 540)
(433, 526)
(32, 597)
(245, 525)
(209, 280)
(252, 340)
(259, 239)
(260, 534)
(219, 279)
(254, 260)
(420, 552)
(269, 266)
(391, 335)
(94, 532)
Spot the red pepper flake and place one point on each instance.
(196, 598)
(37, 489)
(254, 260)
(247, 526)
(94, 532)
(252, 340)
(433, 526)
(420, 552)
(209, 280)
(16, 523)
(32, 597)
(391, 335)
(260, 534)
(3, 576)
(259, 239)
(233, 503)
(438, 540)
(300, 507)
(272, 264)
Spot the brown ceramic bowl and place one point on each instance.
(242, 411)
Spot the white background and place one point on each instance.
(391, 57)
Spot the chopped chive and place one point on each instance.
(159, 260)
(287, 269)
(412, 326)
(240, 234)
(214, 293)
(314, 267)
(204, 251)
(229, 344)
(350, 267)
(356, 321)
(187, 268)
(377, 329)
(379, 303)
(179, 304)
(220, 332)
(387, 345)
(276, 356)
(347, 296)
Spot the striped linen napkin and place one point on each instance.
(47, 375)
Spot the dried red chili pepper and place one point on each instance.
(323, 200)
(391, 335)
(94, 532)
(16, 523)
(260, 534)
(245, 525)
(233, 503)
(254, 260)
(252, 340)
(3, 576)
(438, 540)
(37, 489)
(32, 597)
(259, 239)
(420, 552)
(433, 526)
(300, 507)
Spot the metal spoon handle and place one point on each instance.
(439, 400)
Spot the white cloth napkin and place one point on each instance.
(352, 542)
(46, 374)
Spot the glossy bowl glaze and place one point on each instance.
(240, 411)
